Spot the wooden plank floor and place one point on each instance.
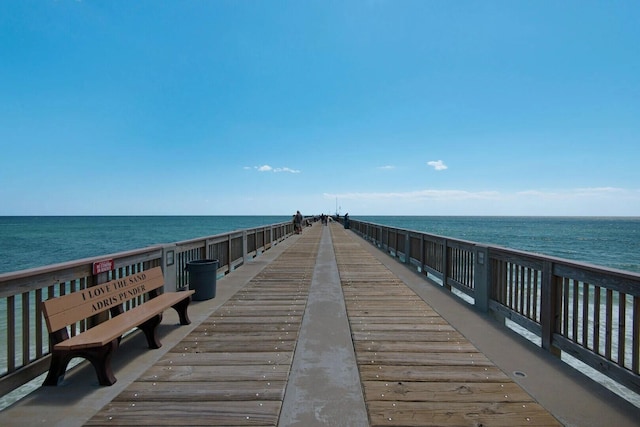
(416, 370)
(233, 368)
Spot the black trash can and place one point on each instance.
(202, 278)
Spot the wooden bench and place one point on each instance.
(98, 343)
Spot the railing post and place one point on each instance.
(244, 246)
(549, 300)
(445, 265)
(423, 261)
(481, 279)
(407, 248)
(207, 249)
(169, 268)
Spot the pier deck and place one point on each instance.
(324, 329)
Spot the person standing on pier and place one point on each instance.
(297, 222)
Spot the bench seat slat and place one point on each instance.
(113, 328)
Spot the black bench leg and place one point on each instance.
(59, 362)
(100, 358)
(149, 329)
(181, 309)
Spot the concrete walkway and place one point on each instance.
(324, 385)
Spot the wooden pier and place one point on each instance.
(270, 350)
(417, 370)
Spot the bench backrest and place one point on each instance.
(68, 309)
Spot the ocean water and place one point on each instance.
(606, 241)
(34, 241)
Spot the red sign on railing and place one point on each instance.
(103, 266)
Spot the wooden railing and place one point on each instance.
(24, 352)
(589, 312)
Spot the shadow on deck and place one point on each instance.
(324, 329)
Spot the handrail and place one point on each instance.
(587, 311)
(24, 353)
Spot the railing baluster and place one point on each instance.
(39, 327)
(597, 294)
(608, 324)
(26, 348)
(635, 339)
(536, 296)
(11, 334)
(585, 314)
(622, 329)
(574, 312)
(565, 307)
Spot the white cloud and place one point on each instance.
(437, 165)
(418, 195)
(267, 168)
(386, 167)
(600, 201)
(598, 192)
(286, 170)
(574, 193)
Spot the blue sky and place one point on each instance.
(266, 107)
